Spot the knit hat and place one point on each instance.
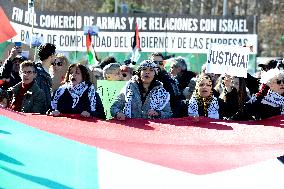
(148, 64)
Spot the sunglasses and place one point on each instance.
(279, 82)
(57, 63)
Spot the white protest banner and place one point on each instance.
(232, 60)
(158, 32)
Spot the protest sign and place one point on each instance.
(232, 60)
(108, 91)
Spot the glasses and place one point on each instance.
(280, 81)
(27, 72)
(265, 69)
(159, 62)
(57, 63)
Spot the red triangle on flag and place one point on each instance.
(6, 31)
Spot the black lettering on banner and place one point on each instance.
(23, 35)
(221, 53)
(104, 41)
(154, 42)
(235, 61)
(51, 38)
(120, 42)
(227, 58)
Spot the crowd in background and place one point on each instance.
(52, 85)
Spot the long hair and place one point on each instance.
(242, 94)
(84, 71)
(59, 75)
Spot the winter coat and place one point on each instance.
(33, 101)
(83, 98)
(44, 82)
(130, 103)
(6, 71)
(272, 104)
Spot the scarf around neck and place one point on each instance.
(76, 92)
(158, 100)
(274, 99)
(211, 106)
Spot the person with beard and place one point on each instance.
(143, 96)
(9, 71)
(57, 70)
(77, 95)
(203, 102)
(27, 96)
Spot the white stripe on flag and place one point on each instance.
(117, 171)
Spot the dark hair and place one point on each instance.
(106, 61)
(20, 58)
(154, 82)
(3, 94)
(157, 54)
(85, 73)
(28, 63)
(46, 50)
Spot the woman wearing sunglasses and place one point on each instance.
(272, 103)
(57, 70)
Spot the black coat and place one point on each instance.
(6, 71)
(65, 102)
(184, 79)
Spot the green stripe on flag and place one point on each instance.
(91, 57)
(30, 158)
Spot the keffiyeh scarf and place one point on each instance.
(211, 107)
(76, 92)
(158, 100)
(274, 99)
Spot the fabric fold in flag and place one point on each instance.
(136, 49)
(6, 31)
(90, 51)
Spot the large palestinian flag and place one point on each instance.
(38, 151)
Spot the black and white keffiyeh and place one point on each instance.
(213, 109)
(76, 92)
(274, 99)
(158, 100)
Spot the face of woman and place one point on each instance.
(57, 65)
(147, 75)
(205, 88)
(277, 85)
(75, 76)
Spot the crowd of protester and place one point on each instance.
(54, 86)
